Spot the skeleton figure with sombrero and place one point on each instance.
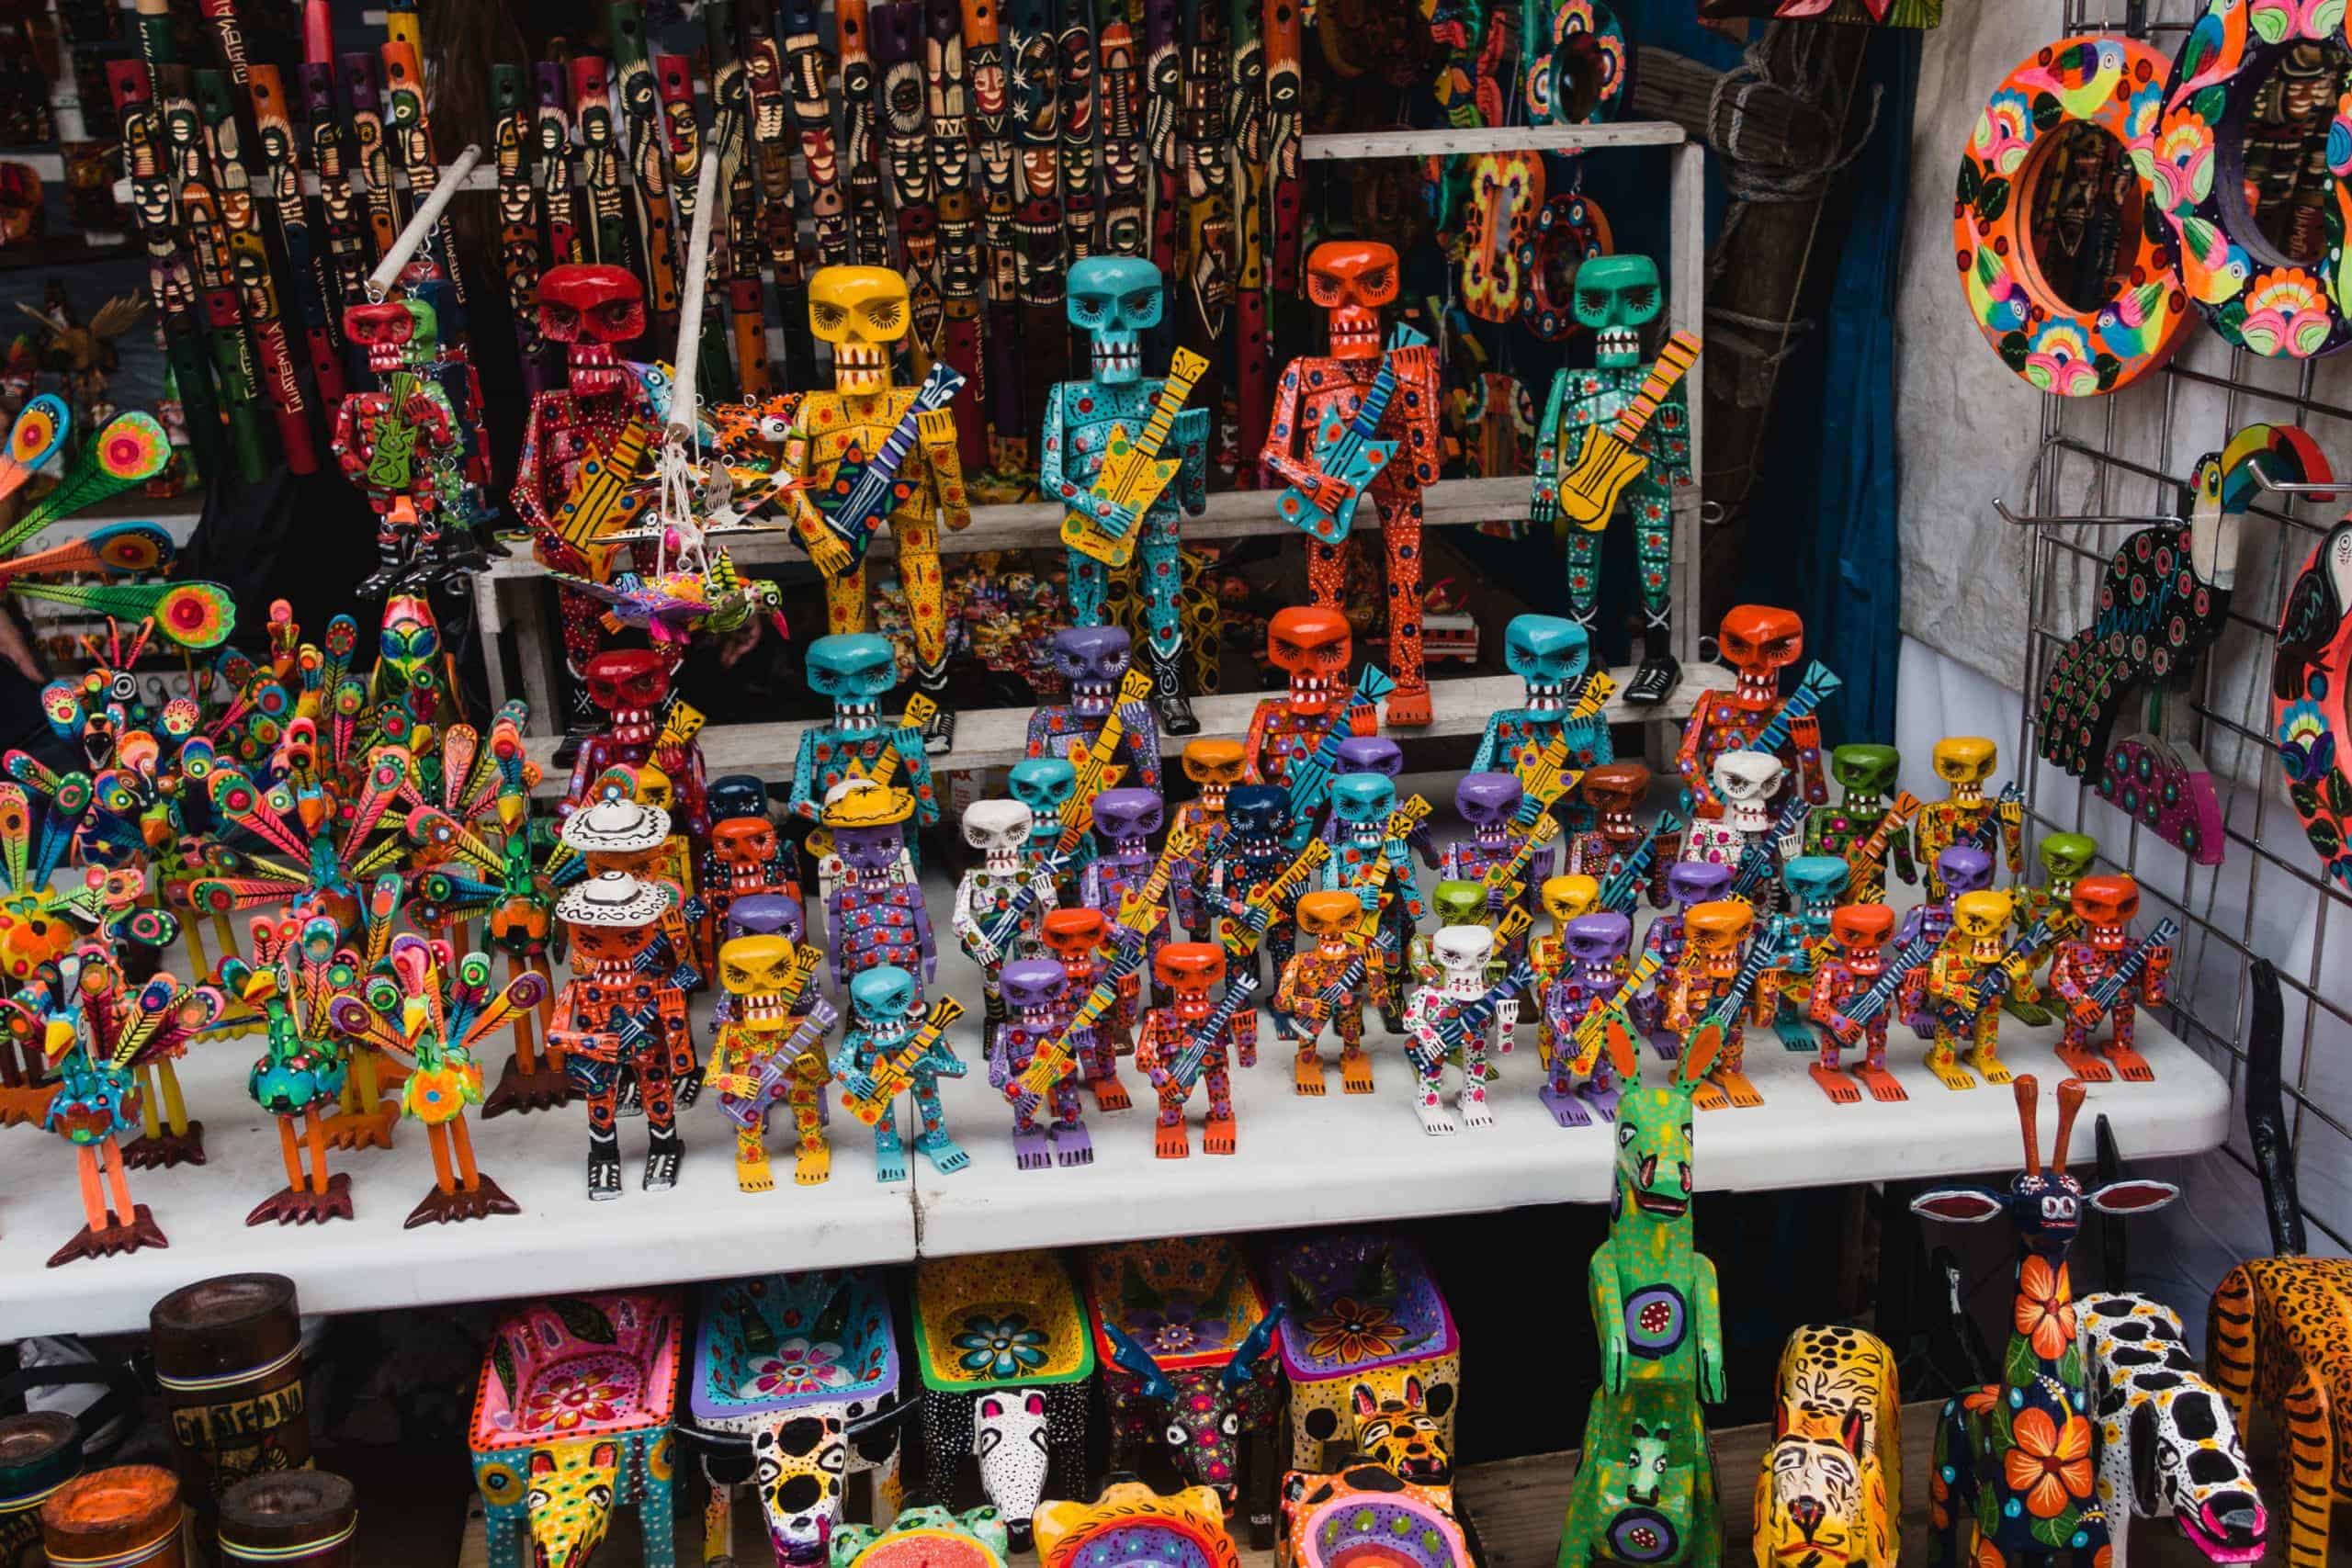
(609, 1015)
(617, 829)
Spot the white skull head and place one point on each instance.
(1463, 952)
(1744, 781)
(998, 829)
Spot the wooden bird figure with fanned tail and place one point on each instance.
(2163, 598)
(325, 852)
(432, 1007)
(100, 1033)
(295, 972)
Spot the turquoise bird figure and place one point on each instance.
(2131, 323)
(1992, 294)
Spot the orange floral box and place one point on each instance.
(1365, 1319)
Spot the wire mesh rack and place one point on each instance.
(2106, 467)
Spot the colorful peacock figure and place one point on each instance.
(481, 853)
(425, 1003)
(294, 972)
(97, 1030)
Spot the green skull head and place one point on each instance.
(1616, 298)
(1866, 772)
(2066, 856)
(1460, 903)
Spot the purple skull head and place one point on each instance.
(1259, 813)
(1599, 939)
(1092, 660)
(1690, 882)
(1964, 869)
(1488, 800)
(1371, 754)
(767, 914)
(1128, 817)
(1032, 984)
(868, 849)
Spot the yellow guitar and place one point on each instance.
(605, 498)
(1093, 760)
(895, 1071)
(917, 714)
(1608, 462)
(1134, 473)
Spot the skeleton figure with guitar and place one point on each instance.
(1123, 455)
(1619, 432)
(871, 451)
(1758, 641)
(1360, 418)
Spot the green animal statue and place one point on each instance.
(1646, 1491)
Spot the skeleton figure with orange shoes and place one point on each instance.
(2101, 973)
(1758, 642)
(1074, 939)
(1328, 984)
(1222, 1032)
(864, 312)
(1706, 981)
(1853, 966)
(1215, 765)
(1352, 281)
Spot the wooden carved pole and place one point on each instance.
(249, 274)
(989, 74)
(1075, 85)
(641, 119)
(1284, 89)
(235, 365)
(1253, 355)
(959, 268)
(809, 69)
(364, 113)
(125, 1517)
(869, 222)
(410, 129)
(771, 112)
(520, 260)
(1208, 209)
(1126, 177)
(673, 78)
(551, 163)
(898, 41)
(1163, 131)
(171, 277)
(303, 1519)
(282, 173)
(229, 1356)
(730, 96)
(339, 213)
(1037, 223)
(600, 160)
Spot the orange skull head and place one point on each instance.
(1760, 642)
(1190, 970)
(1313, 644)
(1351, 280)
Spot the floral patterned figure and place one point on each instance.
(885, 1016)
(1329, 985)
(1352, 281)
(1188, 971)
(770, 1051)
(591, 308)
(1491, 803)
(1094, 660)
(1853, 963)
(1372, 863)
(1458, 1017)
(1616, 298)
(91, 1029)
(1859, 827)
(1312, 646)
(1552, 657)
(1659, 1319)
(622, 831)
(2012, 1478)
(876, 912)
(631, 687)
(863, 311)
(1613, 793)
(2105, 954)
(1256, 852)
(1126, 819)
(1965, 816)
(1215, 765)
(1039, 1003)
(291, 980)
(2065, 859)
(1000, 904)
(1744, 785)
(854, 671)
(1564, 898)
(1688, 884)
(1113, 299)
(1703, 979)
(403, 445)
(1593, 965)
(610, 1014)
(1377, 754)
(1961, 989)
(1960, 870)
(1759, 642)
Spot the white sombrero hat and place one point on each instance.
(614, 823)
(614, 899)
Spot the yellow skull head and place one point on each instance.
(1964, 761)
(1982, 916)
(1565, 898)
(860, 311)
(757, 973)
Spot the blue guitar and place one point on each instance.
(865, 491)
(1348, 452)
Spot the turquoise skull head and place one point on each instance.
(1112, 299)
(855, 669)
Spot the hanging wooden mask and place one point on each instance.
(2070, 272)
(1575, 64)
(1570, 230)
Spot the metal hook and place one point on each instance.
(2024, 519)
(2319, 489)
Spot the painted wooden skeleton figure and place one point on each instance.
(2103, 954)
(1113, 299)
(1000, 904)
(863, 312)
(1703, 978)
(876, 915)
(1329, 985)
(590, 309)
(1965, 816)
(1352, 281)
(1857, 828)
(1075, 939)
(1758, 641)
(1458, 1017)
(1215, 765)
(2065, 859)
(1188, 971)
(1038, 1003)
(1552, 657)
(886, 1019)
(1852, 965)
(771, 1051)
(616, 830)
(1490, 804)
(1613, 793)
(1255, 852)
(611, 1015)
(632, 687)
(1960, 989)
(1094, 660)
(1371, 861)
(1615, 299)
(401, 446)
(1311, 645)
(1592, 966)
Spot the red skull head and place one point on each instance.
(395, 332)
(609, 948)
(1615, 791)
(2106, 904)
(1760, 641)
(1072, 935)
(590, 308)
(1351, 280)
(1313, 645)
(630, 684)
(1861, 930)
(744, 846)
(1189, 971)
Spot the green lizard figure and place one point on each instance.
(1645, 1490)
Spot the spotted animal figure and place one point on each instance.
(1398, 1433)
(2168, 1443)
(1009, 1434)
(1365, 1514)
(1830, 1489)
(2278, 1333)
(801, 1463)
(570, 1499)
